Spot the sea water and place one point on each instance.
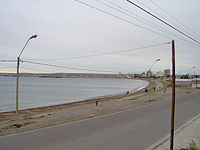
(38, 92)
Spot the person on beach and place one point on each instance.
(127, 92)
(97, 103)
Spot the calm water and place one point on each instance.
(37, 92)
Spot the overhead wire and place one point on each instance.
(88, 55)
(107, 53)
(93, 70)
(57, 66)
(140, 18)
(181, 32)
(66, 67)
(125, 20)
(196, 42)
(8, 60)
(186, 27)
(145, 21)
(84, 69)
(137, 18)
(152, 10)
(169, 20)
(158, 14)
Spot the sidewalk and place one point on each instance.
(183, 136)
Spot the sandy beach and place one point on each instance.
(42, 117)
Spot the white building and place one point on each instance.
(149, 73)
(159, 74)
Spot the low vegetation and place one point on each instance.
(192, 146)
(17, 125)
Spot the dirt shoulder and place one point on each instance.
(42, 117)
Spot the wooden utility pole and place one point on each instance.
(173, 97)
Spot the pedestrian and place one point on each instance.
(97, 103)
(127, 92)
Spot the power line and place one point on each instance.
(117, 9)
(161, 15)
(150, 8)
(131, 22)
(174, 18)
(145, 21)
(121, 18)
(7, 60)
(64, 67)
(131, 15)
(93, 70)
(108, 53)
(164, 22)
(158, 13)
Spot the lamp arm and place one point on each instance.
(152, 65)
(23, 48)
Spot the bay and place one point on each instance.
(38, 92)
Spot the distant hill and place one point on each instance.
(62, 75)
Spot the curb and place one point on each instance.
(166, 138)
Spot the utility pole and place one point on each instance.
(173, 97)
(196, 81)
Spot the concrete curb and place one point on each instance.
(160, 142)
(166, 138)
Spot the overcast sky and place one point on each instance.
(70, 29)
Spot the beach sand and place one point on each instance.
(42, 117)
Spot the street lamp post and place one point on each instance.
(195, 76)
(17, 78)
(189, 79)
(153, 64)
(190, 70)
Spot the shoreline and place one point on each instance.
(91, 100)
(78, 100)
(37, 118)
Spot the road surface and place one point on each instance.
(134, 129)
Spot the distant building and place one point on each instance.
(130, 76)
(159, 74)
(149, 73)
(120, 75)
(136, 75)
(143, 75)
(167, 73)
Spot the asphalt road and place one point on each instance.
(134, 129)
